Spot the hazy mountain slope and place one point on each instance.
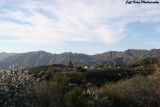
(79, 59)
(130, 56)
(32, 59)
(4, 55)
(29, 59)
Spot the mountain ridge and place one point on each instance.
(112, 58)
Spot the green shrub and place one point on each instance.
(50, 93)
(77, 98)
(80, 69)
(138, 91)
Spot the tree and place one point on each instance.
(70, 65)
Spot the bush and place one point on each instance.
(50, 93)
(138, 91)
(80, 69)
(14, 88)
(59, 93)
(77, 98)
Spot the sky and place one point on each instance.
(79, 26)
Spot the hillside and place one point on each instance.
(113, 58)
(4, 55)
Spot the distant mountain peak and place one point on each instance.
(38, 58)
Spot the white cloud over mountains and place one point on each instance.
(56, 22)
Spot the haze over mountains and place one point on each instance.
(4, 55)
(39, 58)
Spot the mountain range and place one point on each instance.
(112, 58)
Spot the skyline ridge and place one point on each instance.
(82, 52)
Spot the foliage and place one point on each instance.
(58, 93)
(137, 92)
(70, 65)
(80, 69)
(14, 88)
(77, 98)
(60, 86)
(50, 93)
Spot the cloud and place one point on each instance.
(56, 22)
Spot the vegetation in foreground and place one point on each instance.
(61, 86)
